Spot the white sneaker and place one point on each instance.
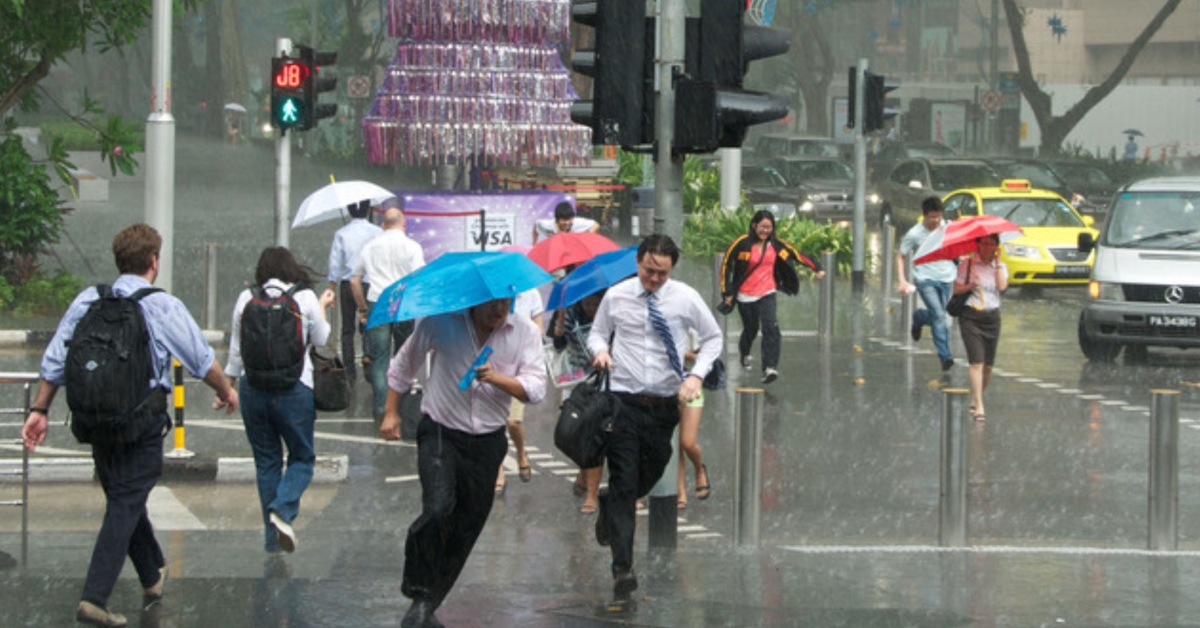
(287, 536)
(770, 375)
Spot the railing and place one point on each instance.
(27, 380)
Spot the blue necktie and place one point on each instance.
(659, 322)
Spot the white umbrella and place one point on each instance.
(330, 201)
(232, 106)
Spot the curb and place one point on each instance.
(34, 337)
(326, 470)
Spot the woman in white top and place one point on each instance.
(985, 276)
(280, 416)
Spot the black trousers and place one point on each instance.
(127, 473)
(350, 325)
(760, 312)
(458, 472)
(639, 448)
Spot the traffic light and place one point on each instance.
(875, 90)
(316, 61)
(875, 94)
(711, 109)
(290, 103)
(619, 112)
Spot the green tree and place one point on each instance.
(29, 211)
(35, 36)
(1056, 128)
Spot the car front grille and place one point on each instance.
(1152, 293)
(1069, 255)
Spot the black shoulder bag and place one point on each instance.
(958, 302)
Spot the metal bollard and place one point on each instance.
(747, 487)
(952, 499)
(909, 306)
(180, 452)
(663, 521)
(825, 308)
(210, 285)
(718, 261)
(1164, 470)
(888, 274)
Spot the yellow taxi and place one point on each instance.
(1047, 252)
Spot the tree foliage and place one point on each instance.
(1056, 128)
(30, 219)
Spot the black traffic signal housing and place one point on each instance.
(711, 109)
(875, 90)
(620, 111)
(316, 85)
(291, 106)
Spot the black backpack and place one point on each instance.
(109, 371)
(272, 339)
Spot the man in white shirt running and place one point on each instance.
(565, 221)
(648, 318)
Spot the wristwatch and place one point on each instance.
(45, 411)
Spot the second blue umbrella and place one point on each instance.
(592, 276)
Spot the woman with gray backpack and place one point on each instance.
(275, 321)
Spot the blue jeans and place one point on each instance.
(382, 343)
(275, 419)
(935, 294)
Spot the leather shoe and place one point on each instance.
(915, 332)
(602, 533)
(947, 364)
(155, 591)
(624, 585)
(420, 615)
(88, 613)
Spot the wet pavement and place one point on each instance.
(1057, 503)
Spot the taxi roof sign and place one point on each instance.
(1016, 185)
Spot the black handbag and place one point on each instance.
(958, 302)
(410, 412)
(715, 380)
(331, 389)
(585, 420)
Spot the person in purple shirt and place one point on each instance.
(128, 472)
(461, 439)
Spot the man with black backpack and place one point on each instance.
(112, 351)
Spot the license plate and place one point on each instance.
(1172, 321)
(1073, 271)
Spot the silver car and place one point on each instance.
(825, 188)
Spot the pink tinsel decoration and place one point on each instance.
(476, 78)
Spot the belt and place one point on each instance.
(651, 401)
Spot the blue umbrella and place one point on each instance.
(592, 276)
(456, 281)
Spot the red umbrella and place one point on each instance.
(958, 238)
(568, 249)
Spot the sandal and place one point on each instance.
(588, 508)
(580, 486)
(980, 418)
(500, 488)
(525, 473)
(703, 491)
(681, 504)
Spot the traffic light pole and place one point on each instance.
(283, 167)
(668, 188)
(668, 220)
(160, 143)
(857, 278)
